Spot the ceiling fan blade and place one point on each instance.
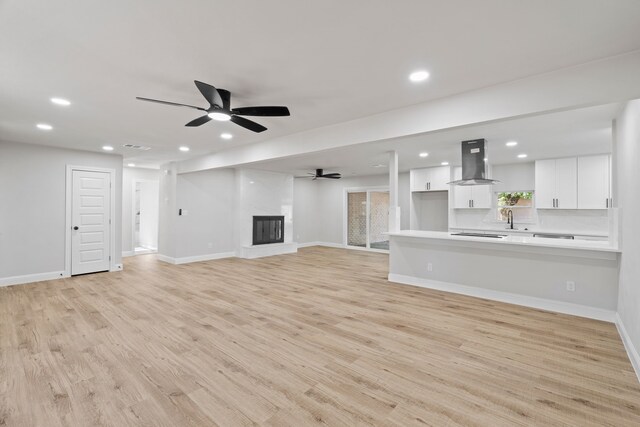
(270, 111)
(328, 175)
(210, 93)
(199, 121)
(169, 103)
(248, 124)
(226, 98)
(331, 177)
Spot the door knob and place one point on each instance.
(75, 228)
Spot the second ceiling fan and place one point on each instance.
(220, 109)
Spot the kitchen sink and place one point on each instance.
(492, 236)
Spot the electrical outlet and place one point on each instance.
(210, 245)
(429, 267)
(571, 286)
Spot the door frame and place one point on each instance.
(345, 216)
(133, 213)
(68, 219)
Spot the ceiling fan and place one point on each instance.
(319, 174)
(220, 109)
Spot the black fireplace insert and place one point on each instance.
(268, 229)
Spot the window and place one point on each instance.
(519, 202)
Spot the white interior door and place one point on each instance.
(90, 221)
(148, 214)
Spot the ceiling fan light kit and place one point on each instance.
(220, 109)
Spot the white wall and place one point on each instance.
(431, 210)
(627, 160)
(207, 201)
(306, 211)
(129, 177)
(514, 177)
(323, 201)
(33, 208)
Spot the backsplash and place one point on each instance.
(595, 222)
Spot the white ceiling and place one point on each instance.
(329, 61)
(569, 133)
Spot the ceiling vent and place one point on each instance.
(136, 147)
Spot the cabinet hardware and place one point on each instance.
(607, 203)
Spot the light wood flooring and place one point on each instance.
(315, 338)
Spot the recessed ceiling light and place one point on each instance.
(107, 148)
(131, 165)
(60, 101)
(419, 76)
(511, 144)
(183, 148)
(379, 165)
(221, 117)
(44, 126)
(522, 156)
(445, 163)
(424, 154)
(226, 135)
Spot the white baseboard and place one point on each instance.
(517, 299)
(331, 245)
(166, 259)
(632, 352)
(197, 258)
(308, 244)
(30, 278)
(127, 253)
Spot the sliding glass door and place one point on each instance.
(367, 219)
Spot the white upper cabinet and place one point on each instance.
(594, 182)
(430, 179)
(481, 196)
(557, 183)
(470, 196)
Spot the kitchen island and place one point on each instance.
(577, 277)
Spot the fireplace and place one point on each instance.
(268, 229)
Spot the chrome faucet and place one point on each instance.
(510, 218)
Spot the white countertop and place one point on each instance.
(589, 245)
(531, 230)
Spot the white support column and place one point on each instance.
(394, 208)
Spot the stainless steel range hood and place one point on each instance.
(474, 166)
